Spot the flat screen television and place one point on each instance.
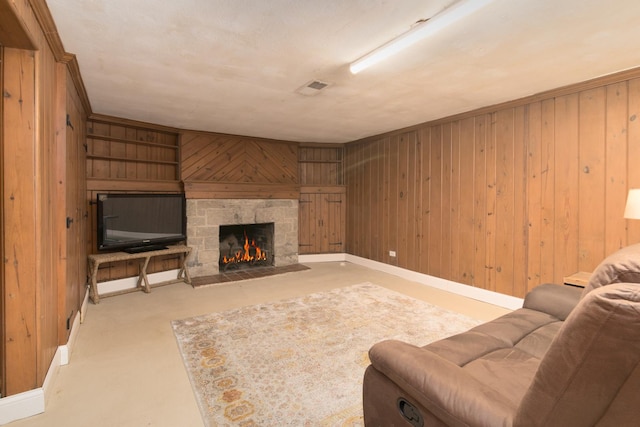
(140, 222)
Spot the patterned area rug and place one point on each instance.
(300, 362)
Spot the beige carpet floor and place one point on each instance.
(125, 367)
(300, 361)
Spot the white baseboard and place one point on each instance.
(491, 297)
(129, 283)
(32, 402)
(21, 405)
(322, 258)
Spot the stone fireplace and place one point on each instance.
(206, 216)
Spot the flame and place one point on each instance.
(245, 255)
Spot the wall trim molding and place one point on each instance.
(491, 297)
(21, 405)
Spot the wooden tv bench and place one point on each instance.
(95, 260)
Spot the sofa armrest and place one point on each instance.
(441, 386)
(556, 300)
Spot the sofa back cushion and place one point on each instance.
(621, 266)
(591, 373)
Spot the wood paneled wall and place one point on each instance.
(504, 198)
(230, 166)
(35, 173)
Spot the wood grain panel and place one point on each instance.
(435, 203)
(445, 198)
(616, 108)
(210, 157)
(503, 199)
(591, 178)
(37, 291)
(466, 203)
(423, 172)
(479, 179)
(19, 223)
(535, 164)
(520, 213)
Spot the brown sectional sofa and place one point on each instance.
(568, 357)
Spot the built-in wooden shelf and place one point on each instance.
(131, 141)
(128, 159)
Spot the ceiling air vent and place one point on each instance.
(312, 88)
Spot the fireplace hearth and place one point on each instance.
(246, 246)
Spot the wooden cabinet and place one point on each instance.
(321, 164)
(321, 222)
(322, 215)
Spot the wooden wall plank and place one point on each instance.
(445, 200)
(481, 127)
(591, 185)
(392, 238)
(19, 223)
(504, 213)
(376, 218)
(365, 203)
(467, 200)
(424, 208)
(566, 186)
(402, 229)
(435, 209)
(546, 241)
(454, 204)
(520, 218)
(386, 204)
(415, 200)
(535, 164)
(616, 108)
(490, 214)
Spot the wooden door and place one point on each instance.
(307, 224)
(333, 227)
(76, 211)
(321, 223)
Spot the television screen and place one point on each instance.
(139, 222)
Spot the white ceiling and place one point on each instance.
(233, 66)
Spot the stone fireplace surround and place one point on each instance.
(204, 217)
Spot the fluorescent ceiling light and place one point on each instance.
(423, 29)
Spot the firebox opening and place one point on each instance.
(245, 246)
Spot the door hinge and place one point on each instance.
(69, 122)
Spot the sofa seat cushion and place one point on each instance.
(508, 371)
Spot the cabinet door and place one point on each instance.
(321, 223)
(307, 224)
(333, 223)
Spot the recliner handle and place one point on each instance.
(410, 413)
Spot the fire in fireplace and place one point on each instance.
(245, 246)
